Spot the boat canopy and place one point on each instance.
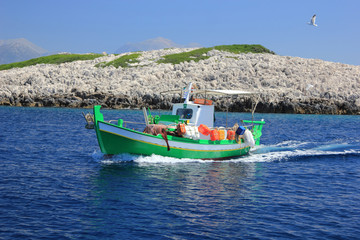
(211, 92)
(225, 92)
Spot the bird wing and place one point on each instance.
(313, 19)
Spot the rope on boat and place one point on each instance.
(253, 110)
(89, 118)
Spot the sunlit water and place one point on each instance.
(302, 182)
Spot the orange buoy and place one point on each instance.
(203, 129)
(181, 129)
(199, 101)
(214, 135)
(208, 102)
(231, 135)
(203, 101)
(221, 134)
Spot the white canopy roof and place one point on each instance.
(212, 92)
(225, 92)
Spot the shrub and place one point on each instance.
(122, 61)
(195, 55)
(200, 54)
(243, 48)
(52, 59)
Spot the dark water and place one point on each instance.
(303, 182)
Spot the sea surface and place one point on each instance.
(303, 182)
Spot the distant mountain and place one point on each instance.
(153, 44)
(17, 50)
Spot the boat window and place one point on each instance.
(184, 113)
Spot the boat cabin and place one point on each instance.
(195, 114)
(194, 111)
(197, 111)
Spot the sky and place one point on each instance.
(82, 26)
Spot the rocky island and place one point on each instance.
(285, 84)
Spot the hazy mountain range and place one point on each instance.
(17, 50)
(153, 44)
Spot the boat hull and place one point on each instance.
(116, 140)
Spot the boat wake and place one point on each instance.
(284, 151)
(290, 150)
(153, 159)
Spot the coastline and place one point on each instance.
(285, 84)
(310, 106)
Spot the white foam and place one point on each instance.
(283, 151)
(104, 159)
(156, 159)
(97, 156)
(333, 146)
(286, 155)
(290, 144)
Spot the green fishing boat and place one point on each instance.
(188, 132)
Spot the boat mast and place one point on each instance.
(187, 93)
(253, 110)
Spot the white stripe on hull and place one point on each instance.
(160, 141)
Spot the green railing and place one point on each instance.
(256, 129)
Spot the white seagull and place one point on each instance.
(312, 21)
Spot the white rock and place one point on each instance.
(264, 72)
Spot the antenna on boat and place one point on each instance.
(253, 110)
(145, 116)
(187, 93)
(227, 110)
(227, 103)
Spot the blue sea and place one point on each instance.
(302, 182)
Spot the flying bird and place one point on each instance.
(312, 21)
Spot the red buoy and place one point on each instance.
(203, 129)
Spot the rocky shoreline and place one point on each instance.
(285, 84)
(309, 106)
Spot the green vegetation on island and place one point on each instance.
(201, 53)
(122, 61)
(243, 48)
(126, 60)
(195, 55)
(52, 59)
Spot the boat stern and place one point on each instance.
(256, 129)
